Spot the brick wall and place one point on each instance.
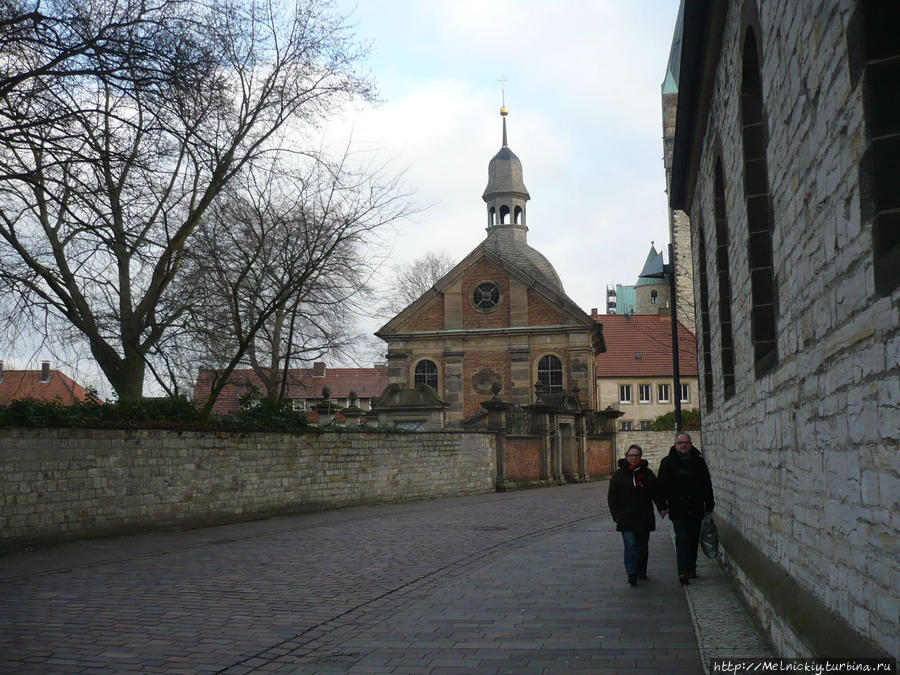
(599, 454)
(805, 456)
(61, 484)
(523, 458)
(430, 318)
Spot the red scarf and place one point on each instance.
(637, 475)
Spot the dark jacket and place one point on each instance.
(685, 487)
(630, 505)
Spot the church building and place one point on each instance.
(500, 316)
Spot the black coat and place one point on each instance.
(632, 506)
(685, 487)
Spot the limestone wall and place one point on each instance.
(654, 444)
(805, 457)
(70, 483)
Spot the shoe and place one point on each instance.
(684, 579)
(632, 579)
(642, 576)
(693, 575)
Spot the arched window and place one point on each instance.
(724, 277)
(504, 214)
(492, 217)
(763, 312)
(426, 373)
(654, 297)
(518, 215)
(550, 373)
(705, 330)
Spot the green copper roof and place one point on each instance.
(651, 265)
(673, 67)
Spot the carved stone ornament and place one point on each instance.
(484, 379)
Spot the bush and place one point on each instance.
(148, 413)
(690, 421)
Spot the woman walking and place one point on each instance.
(632, 493)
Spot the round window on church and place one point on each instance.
(486, 296)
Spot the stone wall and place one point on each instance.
(805, 456)
(654, 444)
(59, 484)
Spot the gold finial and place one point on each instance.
(504, 111)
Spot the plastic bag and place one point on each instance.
(709, 537)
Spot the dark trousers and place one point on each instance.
(687, 538)
(637, 550)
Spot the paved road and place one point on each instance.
(520, 582)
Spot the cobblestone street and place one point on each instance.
(521, 582)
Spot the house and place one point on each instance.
(304, 388)
(634, 374)
(46, 384)
(786, 160)
(500, 316)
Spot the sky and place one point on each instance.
(583, 88)
(582, 82)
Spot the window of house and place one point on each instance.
(646, 393)
(624, 393)
(298, 404)
(550, 374)
(654, 297)
(724, 277)
(705, 329)
(662, 393)
(625, 425)
(426, 373)
(763, 306)
(685, 393)
(645, 425)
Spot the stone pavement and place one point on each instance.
(518, 582)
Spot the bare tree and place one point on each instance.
(409, 281)
(117, 138)
(277, 271)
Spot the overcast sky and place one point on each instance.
(583, 86)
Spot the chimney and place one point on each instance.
(319, 369)
(594, 311)
(45, 371)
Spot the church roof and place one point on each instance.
(519, 254)
(505, 174)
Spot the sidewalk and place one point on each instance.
(522, 582)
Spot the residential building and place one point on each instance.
(634, 374)
(46, 384)
(304, 388)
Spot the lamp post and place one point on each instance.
(668, 271)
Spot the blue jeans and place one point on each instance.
(637, 550)
(687, 538)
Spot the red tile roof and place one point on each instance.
(21, 384)
(366, 382)
(640, 345)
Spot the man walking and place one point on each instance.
(686, 494)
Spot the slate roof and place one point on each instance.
(366, 382)
(503, 243)
(648, 336)
(22, 384)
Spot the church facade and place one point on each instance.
(499, 317)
